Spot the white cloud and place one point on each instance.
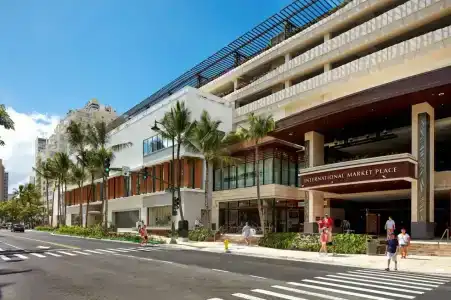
(19, 152)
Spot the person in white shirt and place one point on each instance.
(390, 227)
(247, 232)
(404, 242)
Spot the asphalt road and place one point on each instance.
(36, 265)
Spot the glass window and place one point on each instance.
(277, 170)
(250, 173)
(145, 148)
(160, 216)
(150, 145)
(260, 170)
(241, 175)
(232, 182)
(293, 175)
(225, 178)
(268, 171)
(217, 180)
(285, 180)
(155, 143)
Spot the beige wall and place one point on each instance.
(267, 191)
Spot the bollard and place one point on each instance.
(226, 246)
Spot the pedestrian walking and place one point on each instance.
(329, 224)
(247, 233)
(392, 252)
(144, 236)
(323, 238)
(404, 242)
(390, 227)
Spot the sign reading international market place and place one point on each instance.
(377, 172)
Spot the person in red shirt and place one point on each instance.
(321, 225)
(329, 224)
(323, 240)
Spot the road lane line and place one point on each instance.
(389, 279)
(118, 250)
(1, 249)
(288, 289)
(38, 255)
(15, 247)
(358, 289)
(52, 254)
(399, 289)
(67, 253)
(400, 279)
(278, 295)
(79, 252)
(107, 251)
(315, 287)
(259, 277)
(5, 258)
(92, 251)
(407, 277)
(41, 241)
(379, 281)
(215, 299)
(220, 270)
(247, 297)
(21, 256)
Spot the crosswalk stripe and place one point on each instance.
(381, 282)
(402, 279)
(357, 288)
(247, 297)
(278, 295)
(337, 291)
(92, 251)
(1, 249)
(118, 250)
(413, 275)
(390, 280)
(408, 277)
(5, 258)
(79, 252)
(21, 256)
(307, 293)
(107, 251)
(52, 254)
(370, 285)
(214, 299)
(38, 255)
(67, 253)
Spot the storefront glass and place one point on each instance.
(160, 216)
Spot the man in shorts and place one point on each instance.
(392, 251)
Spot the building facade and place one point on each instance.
(360, 92)
(4, 181)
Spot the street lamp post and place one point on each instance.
(172, 185)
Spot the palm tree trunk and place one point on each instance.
(106, 203)
(65, 203)
(53, 204)
(87, 202)
(207, 193)
(80, 213)
(179, 179)
(259, 201)
(47, 200)
(58, 213)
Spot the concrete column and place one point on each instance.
(287, 57)
(144, 215)
(327, 67)
(235, 84)
(288, 84)
(314, 200)
(422, 191)
(215, 214)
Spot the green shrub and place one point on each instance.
(44, 228)
(342, 243)
(200, 234)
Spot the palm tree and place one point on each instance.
(177, 126)
(213, 144)
(43, 168)
(98, 138)
(61, 165)
(5, 121)
(93, 165)
(78, 176)
(259, 127)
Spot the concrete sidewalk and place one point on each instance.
(414, 263)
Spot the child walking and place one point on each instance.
(324, 238)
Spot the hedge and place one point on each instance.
(200, 234)
(342, 243)
(44, 228)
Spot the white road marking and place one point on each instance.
(107, 251)
(118, 250)
(67, 253)
(307, 293)
(5, 258)
(259, 277)
(400, 279)
(413, 275)
(79, 252)
(409, 277)
(388, 279)
(358, 289)
(1, 249)
(166, 262)
(15, 247)
(52, 254)
(399, 289)
(21, 256)
(215, 299)
(373, 280)
(337, 291)
(38, 255)
(247, 297)
(43, 247)
(92, 251)
(278, 295)
(220, 270)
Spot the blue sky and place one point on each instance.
(58, 54)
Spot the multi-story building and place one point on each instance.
(4, 181)
(360, 92)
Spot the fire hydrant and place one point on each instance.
(226, 246)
